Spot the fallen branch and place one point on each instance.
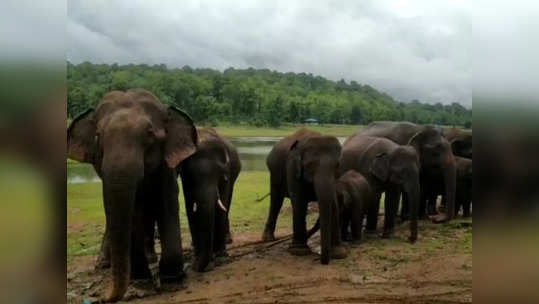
(262, 198)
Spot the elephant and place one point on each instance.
(463, 197)
(134, 144)
(461, 142)
(303, 167)
(208, 178)
(435, 156)
(353, 196)
(387, 167)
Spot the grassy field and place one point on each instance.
(286, 129)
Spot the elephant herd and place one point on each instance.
(139, 147)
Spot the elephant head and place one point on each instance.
(129, 135)
(401, 166)
(315, 162)
(436, 157)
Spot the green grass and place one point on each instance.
(285, 130)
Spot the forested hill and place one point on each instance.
(258, 97)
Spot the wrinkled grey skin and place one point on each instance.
(208, 176)
(390, 168)
(353, 196)
(303, 167)
(434, 151)
(134, 144)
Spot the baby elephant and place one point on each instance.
(353, 197)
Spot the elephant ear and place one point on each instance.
(81, 143)
(181, 137)
(457, 145)
(380, 166)
(296, 159)
(224, 164)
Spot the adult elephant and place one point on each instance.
(434, 151)
(390, 168)
(134, 144)
(208, 178)
(303, 167)
(461, 142)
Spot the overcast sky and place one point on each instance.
(409, 49)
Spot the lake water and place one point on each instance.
(252, 150)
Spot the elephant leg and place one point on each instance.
(405, 209)
(466, 208)
(149, 233)
(356, 223)
(344, 225)
(277, 197)
(372, 215)
(171, 263)
(299, 239)
(431, 204)
(391, 205)
(103, 260)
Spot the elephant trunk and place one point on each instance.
(450, 180)
(204, 225)
(325, 191)
(119, 192)
(411, 188)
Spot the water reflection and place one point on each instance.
(252, 150)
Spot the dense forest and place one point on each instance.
(258, 97)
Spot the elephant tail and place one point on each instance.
(262, 198)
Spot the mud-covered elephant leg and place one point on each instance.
(390, 206)
(168, 222)
(299, 239)
(276, 197)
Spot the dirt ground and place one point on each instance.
(437, 269)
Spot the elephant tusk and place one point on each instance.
(195, 207)
(220, 203)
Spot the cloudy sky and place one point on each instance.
(410, 49)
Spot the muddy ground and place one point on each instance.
(437, 269)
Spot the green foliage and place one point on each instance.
(255, 97)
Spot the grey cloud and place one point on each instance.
(417, 50)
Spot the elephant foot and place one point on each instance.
(116, 294)
(370, 233)
(299, 249)
(347, 237)
(229, 239)
(172, 278)
(387, 234)
(268, 236)
(441, 218)
(338, 252)
(138, 273)
(431, 211)
(201, 268)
